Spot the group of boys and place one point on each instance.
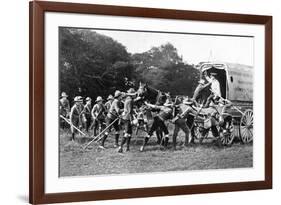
(102, 116)
(118, 112)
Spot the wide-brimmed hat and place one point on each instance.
(99, 98)
(201, 81)
(110, 97)
(78, 99)
(131, 91)
(168, 103)
(188, 101)
(63, 94)
(117, 94)
(88, 99)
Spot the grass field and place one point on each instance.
(75, 161)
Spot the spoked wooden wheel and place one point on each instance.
(199, 134)
(246, 126)
(227, 136)
(226, 130)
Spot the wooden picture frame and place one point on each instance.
(37, 11)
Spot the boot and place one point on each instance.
(174, 143)
(192, 136)
(158, 138)
(162, 142)
(103, 141)
(159, 135)
(144, 143)
(219, 142)
(116, 140)
(95, 131)
(191, 140)
(124, 139)
(186, 141)
(72, 137)
(128, 144)
(166, 141)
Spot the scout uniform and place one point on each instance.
(111, 117)
(87, 112)
(184, 110)
(215, 89)
(75, 114)
(141, 119)
(199, 93)
(64, 105)
(98, 115)
(215, 85)
(64, 108)
(127, 117)
(107, 105)
(165, 113)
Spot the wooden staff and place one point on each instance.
(72, 125)
(228, 101)
(100, 133)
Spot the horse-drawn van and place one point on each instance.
(236, 85)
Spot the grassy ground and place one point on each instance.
(75, 161)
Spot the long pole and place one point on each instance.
(228, 101)
(196, 117)
(72, 125)
(100, 133)
(235, 107)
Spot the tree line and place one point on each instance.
(93, 64)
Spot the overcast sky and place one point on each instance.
(193, 48)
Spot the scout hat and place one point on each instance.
(187, 101)
(63, 94)
(110, 97)
(131, 91)
(78, 99)
(88, 99)
(99, 98)
(117, 94)
(168, 94)
(168, 103)
(201, 81)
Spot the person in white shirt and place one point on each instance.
(215, 89)
(215, 84)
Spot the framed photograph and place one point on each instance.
(132, 102)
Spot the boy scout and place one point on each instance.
(76, 115)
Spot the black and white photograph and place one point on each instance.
(138, 102)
